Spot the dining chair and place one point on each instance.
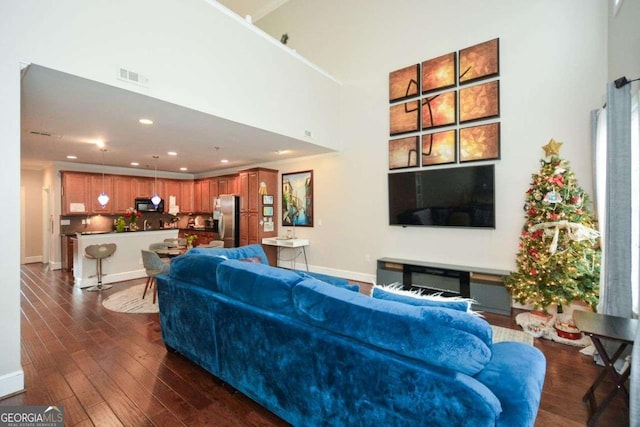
(153, 266)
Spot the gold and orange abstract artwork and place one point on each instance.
(403, 153)
(439, 73)
(439, 110)
(404, 83)
(439, 148)
(404, 117)
(480, 101)
(480, 143)
(479, 61)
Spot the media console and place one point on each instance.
(484, 285)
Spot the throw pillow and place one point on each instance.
(395, 292)
(255, 259)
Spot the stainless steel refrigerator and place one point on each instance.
(226, 213)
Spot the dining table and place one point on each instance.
(171, 252)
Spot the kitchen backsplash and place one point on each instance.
(91, 223)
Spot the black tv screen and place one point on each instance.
(453, 197)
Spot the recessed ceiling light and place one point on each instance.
(100, 143)
(72, 157)
(146, 121)
(172, 153)
(281, 152)
(183, 169)
(135, 164)
(224, 161)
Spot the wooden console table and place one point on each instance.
(601, 326)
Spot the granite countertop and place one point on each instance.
(88, 233)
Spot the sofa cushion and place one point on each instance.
(258, 284)
(336, 281)
(438, 336)
(396, 293)
(197, 269)
(241, 252)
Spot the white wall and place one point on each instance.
(31, 188)
(193, 52)
(553, 72)
(624, 40)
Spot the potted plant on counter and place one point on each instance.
(132, 216)
(191, 238)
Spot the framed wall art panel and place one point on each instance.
(481, 101)
(439, 110)
(480, 143)
(480, 61)
(297, 199)
(439, 73)
(404, 118)
(404, 83)
(403, 153)
(439, 148)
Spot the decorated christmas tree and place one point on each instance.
(559, 256)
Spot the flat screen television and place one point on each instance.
(451, 197)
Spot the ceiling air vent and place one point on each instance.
(132, 77)
(45, 133)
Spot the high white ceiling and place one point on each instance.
(256, 8)
(64, 115)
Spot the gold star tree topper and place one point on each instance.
(552, 148)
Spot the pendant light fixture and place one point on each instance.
(155, 199)
(103, 198)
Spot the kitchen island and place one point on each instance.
(124, 264)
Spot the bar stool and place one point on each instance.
(99, 252)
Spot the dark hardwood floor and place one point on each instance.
(110, 369)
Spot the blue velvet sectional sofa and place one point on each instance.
(316, 353)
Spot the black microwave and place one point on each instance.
(145, 205)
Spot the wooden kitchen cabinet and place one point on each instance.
(76, 193)
(251, 207)
(202, 196)
(186, 196)
(171, 188)
(122, 194)
(142, 187)
(100, 183)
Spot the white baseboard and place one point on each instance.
(55, 265)
(11, 383)
(345, 274)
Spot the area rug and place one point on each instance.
(504, 334)
(130, 301)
